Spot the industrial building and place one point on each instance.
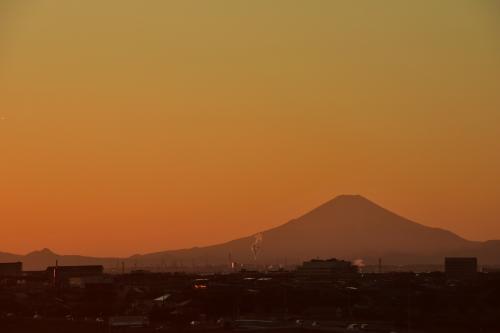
(11, 269)
(327, 268)
(61, 275)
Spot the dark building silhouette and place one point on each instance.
(326, 268)
(11, 269)
(460, 267)
(62, 274)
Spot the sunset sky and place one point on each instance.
(138, 126)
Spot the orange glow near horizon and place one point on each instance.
(131, 128)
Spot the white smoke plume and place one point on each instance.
(257, 244)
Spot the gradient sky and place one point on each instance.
(137, 126)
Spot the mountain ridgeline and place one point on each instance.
(349, 227)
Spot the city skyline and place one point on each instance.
(138, 128)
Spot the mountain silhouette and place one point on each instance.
(348, 227)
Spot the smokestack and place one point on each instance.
(55, 273)
(123, 267)
(380, 265)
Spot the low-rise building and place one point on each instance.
(460, 267)
(86, 281)
(11, 269)
(60, 275)
(326, 268)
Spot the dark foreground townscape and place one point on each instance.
(321, 295)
